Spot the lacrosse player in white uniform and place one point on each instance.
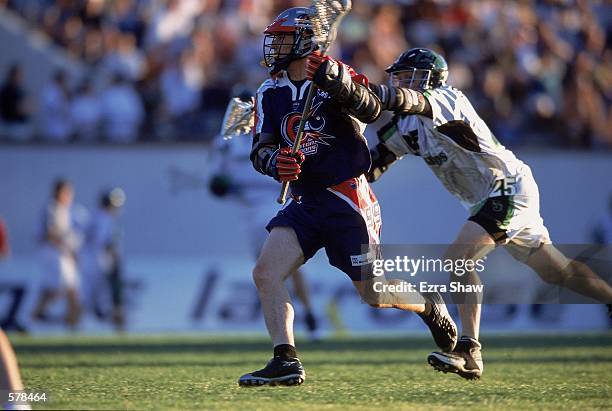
(235, 180)
(60, 244)
(437, 122)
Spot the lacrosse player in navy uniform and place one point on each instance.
(332, 205)
(235, 180)
(437, 122)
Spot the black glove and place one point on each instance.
(330, 76)
(382, 158)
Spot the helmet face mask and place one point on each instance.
(277, 47)
(419, 69)
(288, 38)
(416, 79)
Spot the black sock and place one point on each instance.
(285, 351)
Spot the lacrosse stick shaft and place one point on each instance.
(298, 139)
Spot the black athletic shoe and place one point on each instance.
(465, 360)
(278, 371)
(440, 323)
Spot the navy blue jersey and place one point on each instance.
(333, 143)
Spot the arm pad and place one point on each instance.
(361, 102)
(402, 100)
(263, 151)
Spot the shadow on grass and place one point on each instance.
(195, 346)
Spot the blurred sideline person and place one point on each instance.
(10, 378)
(235, 180)
(437, 122)
(60, 243)
(101, 262)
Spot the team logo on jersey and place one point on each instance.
(313, 136)
(437, 160)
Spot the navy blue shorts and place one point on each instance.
(343, 219)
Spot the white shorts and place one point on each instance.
(514, 219)
(59, 270)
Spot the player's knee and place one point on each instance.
(552, 277)
(260, 275)
(263, 274)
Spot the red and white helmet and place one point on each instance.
(288, 38)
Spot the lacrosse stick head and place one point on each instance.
(325, 18)
(239, 118)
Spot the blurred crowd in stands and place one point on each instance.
(538, 71)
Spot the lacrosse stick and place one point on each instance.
(326, 17)
(239, 118)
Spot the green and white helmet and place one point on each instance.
(418, 69)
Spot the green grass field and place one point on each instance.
(526, 372)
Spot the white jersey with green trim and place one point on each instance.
(458, 147)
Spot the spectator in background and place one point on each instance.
(14, 107)
(386, 40)
(129, 17)
(86, 113)
(181, 87)
(59, 247)
(54, 110)
(584, 107)
(173, 22)
(122, 111)
(123, 57)
(101, 260)
(531, 46)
